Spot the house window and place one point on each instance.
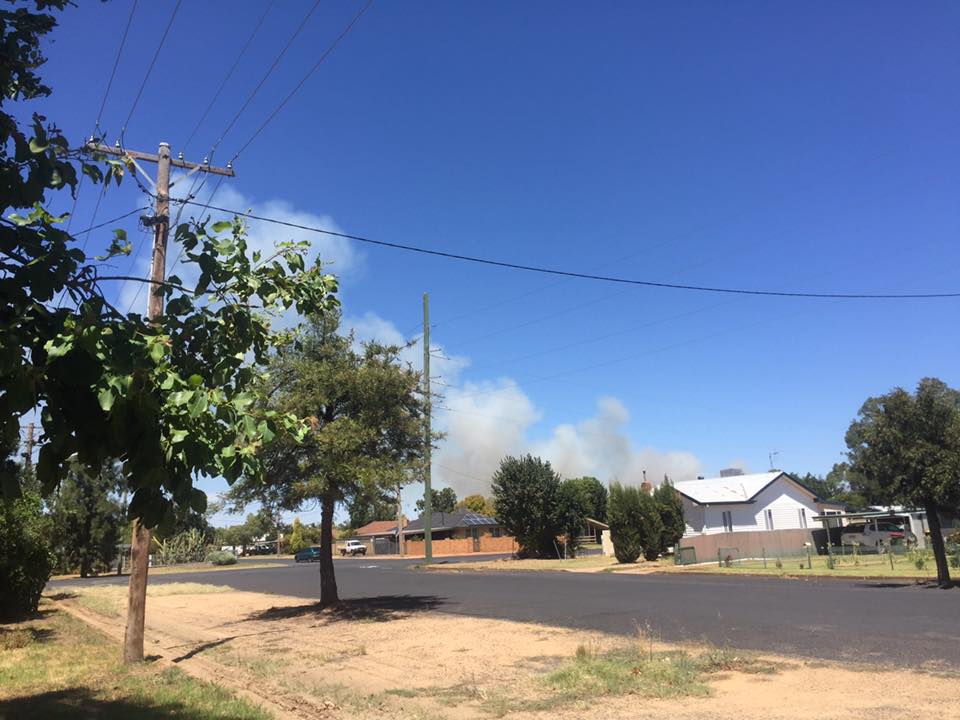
(768, 516)
(803, 517)
(496, 532)
(727, 521)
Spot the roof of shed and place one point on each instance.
(377, 527)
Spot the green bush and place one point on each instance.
(651, 526)
(222, 557)
(525, 492)
(624, 518)
(185, 547)
(26, 555)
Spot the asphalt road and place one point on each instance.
(891, 623)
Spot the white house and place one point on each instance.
(747, 503)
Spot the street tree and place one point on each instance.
(625, 518)
(297, 541)
(367, 426)
(574, 506)
(525, 494)
(371, 502)
(173, 399)
(908, 446)
(87, 519)
(595, 496)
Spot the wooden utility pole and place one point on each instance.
(28, 455)
(140, 542)
(427, 493)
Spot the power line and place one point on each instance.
(110, 222)
(153, 61)
(303, 80)
(586, 276)
(226, 79)
(266, 75)
(116, 64)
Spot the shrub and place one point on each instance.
(651, 526)
(297, 542)
(525, 494)
(26, 556)
(670, 507)
(188, 546)
(624, 517)
(222, 557)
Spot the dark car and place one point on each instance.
(310, 554)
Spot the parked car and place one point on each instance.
(879, 533)
(352, 547)
(310, 554)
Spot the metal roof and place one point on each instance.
(450, 521)
(730, 489)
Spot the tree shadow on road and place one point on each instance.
(381, 608)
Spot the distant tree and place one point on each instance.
(297, 542)
(624, 518)
(908, 445)
(670, 507)
(573, 508)
(595, 496)
(87, 520)
(443, 500)
(525, 494)
(26, 554)
(370, 503)
(477, 504)
(836, 486)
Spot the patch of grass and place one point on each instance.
(15, 638)
(726, 660)
(70, 670)
(109, 600)
(628, 670)
(588, 562)
(402, 692)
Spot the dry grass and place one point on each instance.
(110, 599)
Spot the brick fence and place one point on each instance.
(463, 546)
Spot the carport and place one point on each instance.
(916, 518)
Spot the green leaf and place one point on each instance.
(221, 226)
(36, 148)
(178, 436)
(106, 399)
(157, 352)
(181, 397)
(195, 381)
(198, 500)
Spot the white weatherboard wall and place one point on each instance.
(783, 498)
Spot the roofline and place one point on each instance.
(753, 498)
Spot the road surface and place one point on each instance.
(886, 622)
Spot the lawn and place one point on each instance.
(863, 566)
(111, 599)
(55, 666)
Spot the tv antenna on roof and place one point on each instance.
(772, 455)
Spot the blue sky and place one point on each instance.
(802, 147)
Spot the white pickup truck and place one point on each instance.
(352, 547)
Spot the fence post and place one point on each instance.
(809, 560)
(763, 552)
(719, 561)
(890, 553)
(831, 563)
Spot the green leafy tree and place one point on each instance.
(525, 491)
(837, 486)
(172, 399)
(670, 507)
(443, 500)
(574, 505)
(908, 447)
(477, 504)
(650, 527)
(595, 495)
(367, 418)
(87, 520)
(371, 502)
(297, 542)
(624, 516)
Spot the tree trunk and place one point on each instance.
(328, 580)
(936, 540)
(137, 594)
